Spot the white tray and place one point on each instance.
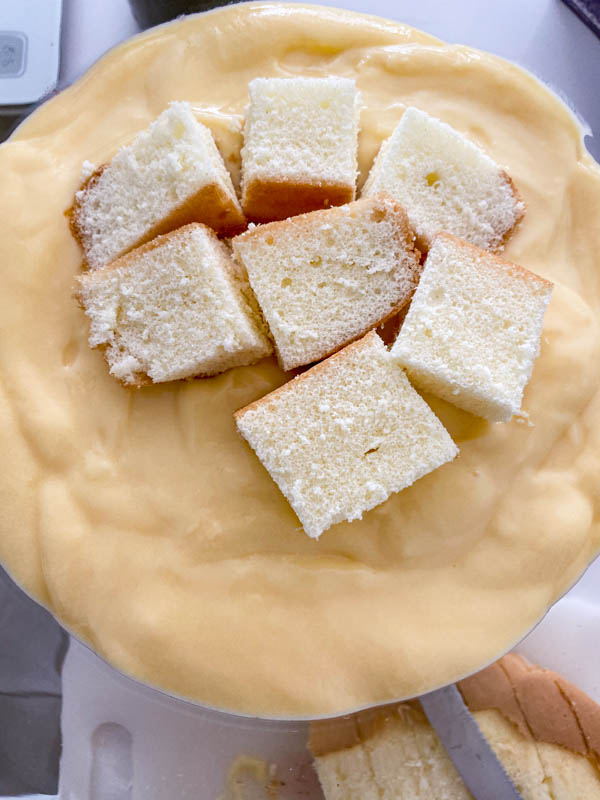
(125, 741)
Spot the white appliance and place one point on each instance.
(29, 52)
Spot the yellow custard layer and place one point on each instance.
(144, 521)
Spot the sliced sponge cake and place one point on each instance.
(300, 144)
(340, 438)
(392, 753)
(170, 175)
(445, 183)
(473, 329)
(176, 307)
(543, 729)
(325, 278)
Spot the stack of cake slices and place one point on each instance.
(544, 730)
(310, 274)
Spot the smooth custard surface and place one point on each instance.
(144, 521)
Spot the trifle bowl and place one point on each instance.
(143, 521)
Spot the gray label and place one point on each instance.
(13, 48)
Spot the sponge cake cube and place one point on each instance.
(445, 182)
(300, 146)
(472, 331)
(325, 278)
(176, 307)
(170, 175)
(341, 437)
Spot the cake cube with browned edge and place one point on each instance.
(343, 436)
(445, 182)
(325, 278)
(177, 307)
(170, 175)
(300, 146)
(473, 329)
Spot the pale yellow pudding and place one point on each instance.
(144, 521)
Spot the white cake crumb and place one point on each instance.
(445, 182)
(473, 329)
(153, 185)
(175, 308)
(323, 279)
(329, 476)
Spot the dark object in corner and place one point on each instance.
(32, 649)
(153, 12)
(588, 11)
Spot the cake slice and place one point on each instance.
(394, 754)
(170, 175)
(341, 437)
(544, 730)
(300, 145)
(473, 329)
(325, 278)
(445, 183)
(343, 765)
(176, 307)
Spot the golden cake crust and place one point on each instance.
(268, 200)
(210, 206)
